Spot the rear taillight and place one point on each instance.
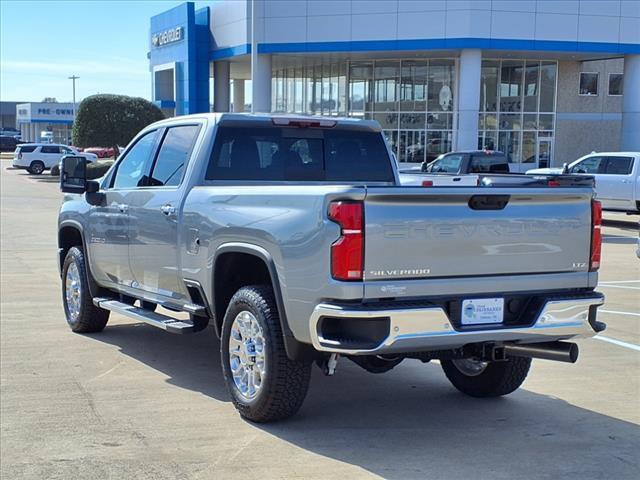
(596, 235)
(347, 253)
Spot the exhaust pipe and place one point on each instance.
(558, 351)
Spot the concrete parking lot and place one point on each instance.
(135, 402)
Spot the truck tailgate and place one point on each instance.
(422, 233)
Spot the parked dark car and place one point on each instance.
(8, 144)
(472, 161)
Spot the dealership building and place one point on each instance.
(49, 122)
(545, 81)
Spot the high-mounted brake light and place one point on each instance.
(303, 123)
(347, 253)
(596, 235)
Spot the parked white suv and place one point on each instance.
(38, 157)
(617, 178)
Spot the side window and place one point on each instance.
(591, 165)
(619, 165)
(132, 168)
(50, 149)
(173, 155)
(66, 151)
(448, 164)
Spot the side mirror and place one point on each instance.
(73, 174)
(565, 167)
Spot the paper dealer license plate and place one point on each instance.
(480, 311)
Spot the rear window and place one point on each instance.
(488, 164)
(297, 154)
(26, 148)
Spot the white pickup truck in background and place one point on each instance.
(617, 177)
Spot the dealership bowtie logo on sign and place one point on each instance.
(168, 36)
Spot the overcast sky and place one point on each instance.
(104, 42)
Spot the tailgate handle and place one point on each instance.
(488, 202)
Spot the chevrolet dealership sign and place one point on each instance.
(168, 36)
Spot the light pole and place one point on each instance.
(73, 78)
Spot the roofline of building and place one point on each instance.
(430, 44)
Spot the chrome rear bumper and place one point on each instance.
(429, 328)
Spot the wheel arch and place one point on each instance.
(259, 268)
(71, 234)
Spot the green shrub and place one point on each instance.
(94, 170)
(98, 169)
(112, 120)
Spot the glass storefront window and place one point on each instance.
(386, 82)
(489, 86)
(437, 143)
(413, 100)
(511, 86)
(298, 91)
(326, 90)
(510, 121)
(413, 120)
(531, 74)
(342, 89)
(413, 86)
(360, 87)
(509, 143)
(529, 147)
(548, 71)
(525, 104)
(441, 85)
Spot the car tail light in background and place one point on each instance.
(347, 253)
(427, 183)
(596, 235)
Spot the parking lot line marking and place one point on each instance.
(619, 313)
(618, 286)
(620, 281)
(618, 342)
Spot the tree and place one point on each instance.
(111, 120)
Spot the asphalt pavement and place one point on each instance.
(136, 402)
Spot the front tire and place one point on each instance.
(82, 315)
(487, 379)
(264, 384)
(36, 167)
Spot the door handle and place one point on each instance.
(168, 209)
(123, 207)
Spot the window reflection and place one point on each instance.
(413, 100)
(522, 92)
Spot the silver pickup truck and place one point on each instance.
(293, 239)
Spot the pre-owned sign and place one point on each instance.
(168, 36)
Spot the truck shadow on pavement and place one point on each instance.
(410, 423)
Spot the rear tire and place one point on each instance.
(487, 379)
(264, 384)
(36, 167)
(82, 315)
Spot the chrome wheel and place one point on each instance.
(247, 354)
(470, 366)
(72, 291)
